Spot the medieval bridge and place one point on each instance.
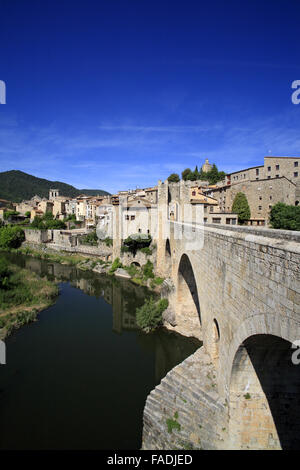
(238, 289)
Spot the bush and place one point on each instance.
(11, 237)
(137, 242)
(116, 264)
(148, 270)
(47, 222)
(4, 274)
(124, 249)
(108, 241)
(174, 178)
(149, 316)
(132, 270)
(90, 239)
(285, 217)
(157, 281)
(146, 250)
(7, 214)
(71, 217)
(241, 207)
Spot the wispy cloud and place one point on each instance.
(165, 129)
(118, 155)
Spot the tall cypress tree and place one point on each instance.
(241, 207)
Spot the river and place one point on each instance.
(78, 377)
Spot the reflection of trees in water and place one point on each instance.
(169, 348)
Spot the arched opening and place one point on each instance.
(187, 299)
(168, 260)
(135, 263)
(215, 340)
(264, 404)
(296, 203)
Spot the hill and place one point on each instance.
(16, 185)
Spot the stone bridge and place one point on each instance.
(238, 290)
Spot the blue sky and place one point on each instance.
(115, 94)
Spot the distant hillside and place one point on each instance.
(16, 186)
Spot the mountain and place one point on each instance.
(16, 186)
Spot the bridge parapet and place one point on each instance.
(244, 283)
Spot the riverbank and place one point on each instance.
(142, 276)
(22, 297)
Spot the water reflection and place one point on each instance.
(169, 348)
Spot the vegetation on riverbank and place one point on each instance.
(22, 296)
(149, 316)
(11, 236)
(142, 276)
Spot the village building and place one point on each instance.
(213, 213)
(265, 185)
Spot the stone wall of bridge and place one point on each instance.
(234, 285)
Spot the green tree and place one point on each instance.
(194, 175)
(285, 217)
(7, 214)
(149, 316)
(186, 173)
(11, 236)
(241, 207)
(174, 178)
(28, 214)
(47, 222)
(213, 175)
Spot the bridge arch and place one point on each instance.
(264, 405)
(187, 302)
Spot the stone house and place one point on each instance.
(276, 181)
(213, 213)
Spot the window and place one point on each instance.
(270, 197)
(269, 177)
(295, 164)
(139, 230)
(260, 198)
(211, 209)
(277, 176)
(132, 217)
(126, 217)
(259, 208)
(270, 207)
(216, 220)
(257, 171)
(295, 174)
(277, 167)
(194, 193)
(269, 168)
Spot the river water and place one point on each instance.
(78, 378)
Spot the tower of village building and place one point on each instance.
(53, 193)
(206, 167)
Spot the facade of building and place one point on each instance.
(276, 181)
